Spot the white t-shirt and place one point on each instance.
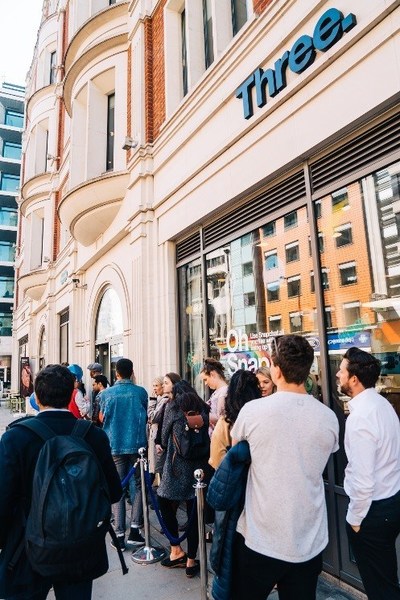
(291, 437)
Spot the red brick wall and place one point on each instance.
(155, 73)
(260, 5)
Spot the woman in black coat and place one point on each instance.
(177, 479)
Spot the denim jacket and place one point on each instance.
(124, 407)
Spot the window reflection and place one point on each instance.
(363, 254)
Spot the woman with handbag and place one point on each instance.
(177, 480)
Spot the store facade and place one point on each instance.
(227, 188)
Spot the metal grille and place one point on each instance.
(188, 247)
(279, 196)
(24, 340)
(356, 154)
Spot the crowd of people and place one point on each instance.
(272, 438)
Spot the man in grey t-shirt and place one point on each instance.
(283, 530)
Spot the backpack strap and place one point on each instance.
(81, 428)
(37, 426)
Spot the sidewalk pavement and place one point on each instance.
(144, 582)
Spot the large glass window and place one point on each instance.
(254, 292)
(191, 308)
(7, 251)
(364, 283)
(53, 67)
(14, 118)
(11, 150)
(184, 53)
(9, 183)
(239, 14)
(208, 33)
(6, 287)
(8, 216)
(5, 324)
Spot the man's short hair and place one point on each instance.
(294, 356)
(363, 365)
(124, 368)
(101, 379)
(54, 385)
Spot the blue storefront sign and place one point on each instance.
(345, 340)
(327, 32)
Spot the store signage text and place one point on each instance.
(327, 32)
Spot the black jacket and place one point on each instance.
(19, 450)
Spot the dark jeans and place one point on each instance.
(168, 509)
(374, 548)
(255, 575)
(62, 591)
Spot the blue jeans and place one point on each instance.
(123, 463)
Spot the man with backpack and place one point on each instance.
(57, 481)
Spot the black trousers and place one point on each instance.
(255, 575)
(168, 509)
(374, 548)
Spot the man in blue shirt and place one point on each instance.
(123, 410)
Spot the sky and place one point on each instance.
(19, 23)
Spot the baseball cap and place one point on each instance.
(77, 371)
(95, 367)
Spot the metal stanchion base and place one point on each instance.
(148, 555)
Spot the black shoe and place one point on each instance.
(121, 543)
(192, 571)
(135, 539)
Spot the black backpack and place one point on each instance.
(194, 442)
(70, 510)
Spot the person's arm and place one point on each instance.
(361, 447)
(9, 477)
(220, 442)
(103, 451)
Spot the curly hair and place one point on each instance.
(242, 388)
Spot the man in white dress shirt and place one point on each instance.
(372, 477)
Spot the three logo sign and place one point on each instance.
(327, 32)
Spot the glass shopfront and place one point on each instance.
(339, 255)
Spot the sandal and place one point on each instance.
(176, 562)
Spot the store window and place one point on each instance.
(191, 309)
(364, 290)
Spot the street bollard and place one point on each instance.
(199, 487)
(147, 554)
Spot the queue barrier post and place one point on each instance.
(199, 488)
(147, 554)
